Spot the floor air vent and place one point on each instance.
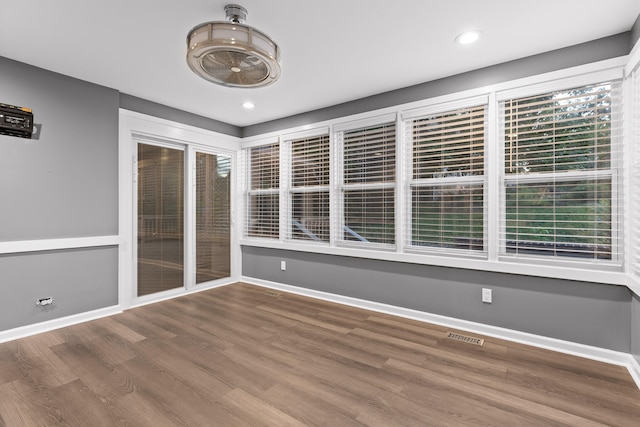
(272, 293)
(464, 338)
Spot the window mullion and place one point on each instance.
(494, 168)
(401, 148)
(337, 197)
(285, 183)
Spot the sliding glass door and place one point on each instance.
(212, 217)
(177, 211)
(160, 219)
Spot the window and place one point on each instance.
(509, 180)
(561, 174)
(309, 190)
(446, 200)
(635, 172)
(368, 184)
(263, 216)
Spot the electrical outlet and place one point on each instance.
(486, 295)
(44, 301)
(283, 265)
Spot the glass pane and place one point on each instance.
(213, 215)
(369, 216)
(561, 131)
(571, 218)
(449, 144)
(310, 162)
(310, 216)
(160, 219)
(448, 216)
(264, 216)
(265, 170)
(370, 154)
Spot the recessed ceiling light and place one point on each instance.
(468, 37)
(248, 105)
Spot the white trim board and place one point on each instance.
(588, 352)
(24, 246)
(50, 325)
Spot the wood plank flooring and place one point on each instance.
(237, 356)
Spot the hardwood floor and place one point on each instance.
(237, 356)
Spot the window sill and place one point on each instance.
(579, 271)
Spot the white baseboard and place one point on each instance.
(50, 325)
(567, 347)
(576, 349)
(180, 292)
(634, 369)
(25, 331)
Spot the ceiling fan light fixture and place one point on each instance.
(233, 54)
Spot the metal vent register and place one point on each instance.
(272, 293)
(465, 338)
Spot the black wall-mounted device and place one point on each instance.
(16, 121)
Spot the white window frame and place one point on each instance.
(615, 172)
(289, 190)
(341, 187)
(137, 127)
(410, 183)
(632, 168)
(606, 70)
(248, 191)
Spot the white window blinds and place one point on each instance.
(309, 191)
(446, 188)
(635, 172)
(561, 172)
(263, 210)
(368, 184)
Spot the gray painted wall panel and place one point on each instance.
(635, 32)
(78, 280)
(585, 53)
(586, 313)
(635, 327)
(64, 184)
(150, 108)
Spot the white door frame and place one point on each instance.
(134, 128)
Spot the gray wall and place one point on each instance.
(62, 185)
(580, 312)
(635, 31)
(635, 327)
(154, 109)
(585, 53)
(78, 280)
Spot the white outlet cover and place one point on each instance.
(283, 265)
(486, 295)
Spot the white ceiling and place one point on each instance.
(333, 51)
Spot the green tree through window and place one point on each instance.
(558, 173)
